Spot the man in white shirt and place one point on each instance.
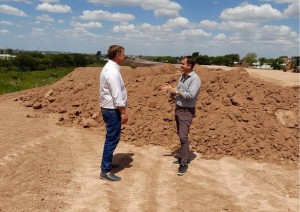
(113, 103)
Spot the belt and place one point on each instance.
(105, 109)
(185, 108)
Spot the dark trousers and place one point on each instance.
(112, 119)
(183, 118)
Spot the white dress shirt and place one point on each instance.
(112, 91)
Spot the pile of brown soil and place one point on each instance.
(237, 115)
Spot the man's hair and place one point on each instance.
(190, 60)
(113, 50)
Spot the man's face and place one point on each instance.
(120, 57)
(184, 66)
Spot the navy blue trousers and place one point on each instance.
(112, 119)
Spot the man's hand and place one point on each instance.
(124, 118)
(168, 87)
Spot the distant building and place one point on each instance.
(6, 56)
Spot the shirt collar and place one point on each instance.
(189, 74)
(114, 63)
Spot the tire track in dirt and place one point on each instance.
(241, 183)
(143, 179)
(147, 179)
(90, 192)
(27, 145)
(168, 180)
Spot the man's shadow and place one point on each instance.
(176, 155)
(124, 160)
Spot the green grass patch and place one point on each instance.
(12, 81)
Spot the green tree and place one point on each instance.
(203, 60)
(262, 60)
(79, 60)
(25, 62)
(277, 63)
(231, 58)
(251, 58)
(9, 51)
(61, 60)
(195, 54)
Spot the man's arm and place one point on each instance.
(123, 114)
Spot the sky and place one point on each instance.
(269, 28)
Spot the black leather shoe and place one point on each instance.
(109, 176)
(115, 165)
(182, 169)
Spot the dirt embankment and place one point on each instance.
(237, 115)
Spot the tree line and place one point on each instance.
(226, 60)
(36, 61)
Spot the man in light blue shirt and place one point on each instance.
(113, 103)
(185, 95)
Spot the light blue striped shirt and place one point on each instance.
(189, 88)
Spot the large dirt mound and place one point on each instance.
(237, 115)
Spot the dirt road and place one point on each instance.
(46, 167)
(274, 76)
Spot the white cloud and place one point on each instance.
(126, 28)
(268, 36)
(24, 1)
(251, 13)
(154, 30)
(38, 31)
(50, 1)
(6, 9)
(236, 25)
(45, 18)
(195, 33)
(90, 24)
(160, 7)
(281, 1)
(21, 36)
(177, 22)
(56, 8)
(279, 31)
(292, 10)
(229, 25)
(61, 21)
(77, 33)
(6, 23)
(220, 37)
(3, 31)
(105, 15)
(166, 12)
(208, 24)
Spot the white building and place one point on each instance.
(6, 56)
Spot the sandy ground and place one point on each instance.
(46, 166)
(274, 76)
(285, 79)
